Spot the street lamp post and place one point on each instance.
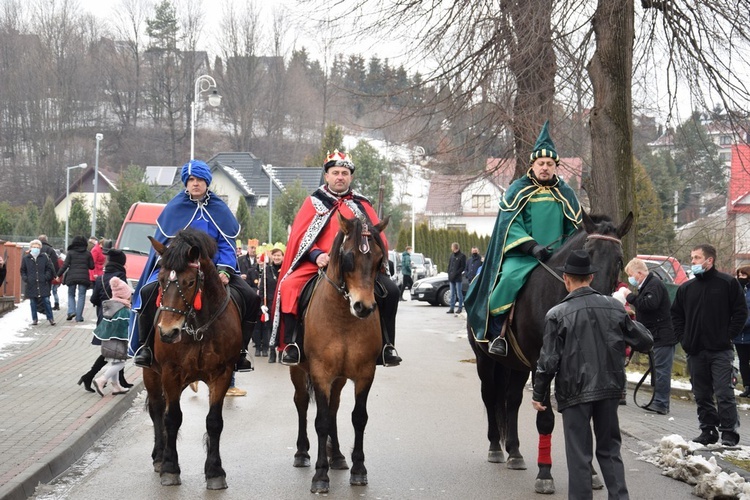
(270, 204)
(99, 137)
(203, 83)
(67, 201)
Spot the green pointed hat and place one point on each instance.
(544, 147)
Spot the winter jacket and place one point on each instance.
(77, 263)
(47, 248)
(472, 266)
(652, 309)
(37, 274)
(708, 312)
(456, 266)
(406, 263)
(102, 291)
(250, 270)
(744, 336)
(584, 348)
(97, 253)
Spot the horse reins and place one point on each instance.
(364, 247)
(196, 333)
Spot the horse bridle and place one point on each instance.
(364, 247)
(593, 236)
(189, 314)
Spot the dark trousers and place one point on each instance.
(579, 444)
(711, 377)
(663, 359)
(406, 283)
(743, 355)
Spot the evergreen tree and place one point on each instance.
(7, 218)
(697, 158)
(243, 217)
(369, 168)
(48, 223)
(287, 206)
(79, 222)
(332, 139)
(655, 232)
(114, 220)
(27, 226)
(258, 226)
(661, 170)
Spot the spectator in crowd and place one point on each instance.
(312, 234)
(742, 341)
(75, 273)
(708, 312)
(249, 268)
(584, 351)
(113, 268)
(456, 267)
(52, 254)
(269, 276)
(97, 253)
(37, 273)
(622, 291)
(473, 264)
(652, 309)
(115, 328)
(406, 279)
(537, 213)
(3, 271)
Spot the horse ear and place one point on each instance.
(625, 226)
(588, 224)
(194, 254)
(344, 223)
(380, 226)
(157, 246)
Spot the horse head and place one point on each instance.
(356, 257)
(182, 281)
(603, 242)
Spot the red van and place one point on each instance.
(668, 268)
(139, 224)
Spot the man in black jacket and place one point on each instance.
(473, 264)
(584, 351)
(47, 248)
(707, 313)
(456, 266)
(652, 304)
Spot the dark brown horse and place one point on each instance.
(503, 378)
(199, 338)
(342, 341)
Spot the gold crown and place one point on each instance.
(338, 158)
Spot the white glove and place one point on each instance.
(265, 316)
(264, 309)
(620, 295)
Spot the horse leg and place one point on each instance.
(487, 369)
(301, 402)
(545, 424)
(513, 398)
(214, 472)
(170, 466)
(320, 481)
(337, 460)
(358, 475)
(156, 409)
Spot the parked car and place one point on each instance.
(436, 290)
(430, 267)
(667, 268)
(418, 269)
(395, 263)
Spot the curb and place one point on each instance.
(71, 449)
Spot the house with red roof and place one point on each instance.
(738, 203)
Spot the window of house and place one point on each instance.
(480, 201)
(725, 140)
(725, 157)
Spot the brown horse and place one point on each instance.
(199, 338)
(342, 341)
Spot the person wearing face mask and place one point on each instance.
(708, 312)
(37, 273)
(473, 264)
(652, 309)
(742, 341)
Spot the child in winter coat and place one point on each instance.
(114, 327)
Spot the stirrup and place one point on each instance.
(244, 364)
(499, 347)
(395, 359)
(286, 354)
(144, 357)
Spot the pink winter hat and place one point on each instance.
(120, 289)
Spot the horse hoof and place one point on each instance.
(170, 479)
(596, 482)
(358, 480)
(496, 457)
(300, 461)
(339, 464)
(544, 486)
(319, 487)
(516, 463)
(157, 467)
(216, 483)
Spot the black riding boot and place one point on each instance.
(144, 356)
(293, 350)
(499, 346)
(88, 377)
(244, 364)
(124, 382)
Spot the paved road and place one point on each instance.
(425, 437)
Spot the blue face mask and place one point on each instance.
(632, 281)
(35, 252)
(697, 269)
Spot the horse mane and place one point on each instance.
(176, 255)
(356, 235)
(604, 225)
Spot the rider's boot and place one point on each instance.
(499, 346)
(293, 351)
(144, 356)
(244, 364)
(390, 356)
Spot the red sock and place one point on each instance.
(545, 449)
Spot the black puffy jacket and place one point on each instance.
(37, 274)
(78, 261)
(652, 306)
(584, 345)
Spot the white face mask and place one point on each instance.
(35, 252)
(632, 281)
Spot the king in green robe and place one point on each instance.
(535, 218)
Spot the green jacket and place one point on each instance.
(553, 215)
(406, 263)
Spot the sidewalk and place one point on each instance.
(47, 421)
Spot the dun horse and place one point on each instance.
(503, 378)
(342, 341)
(199, 338)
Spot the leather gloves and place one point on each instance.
(541, 253)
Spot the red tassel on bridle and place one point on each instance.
(198, 300)
(158, 298)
